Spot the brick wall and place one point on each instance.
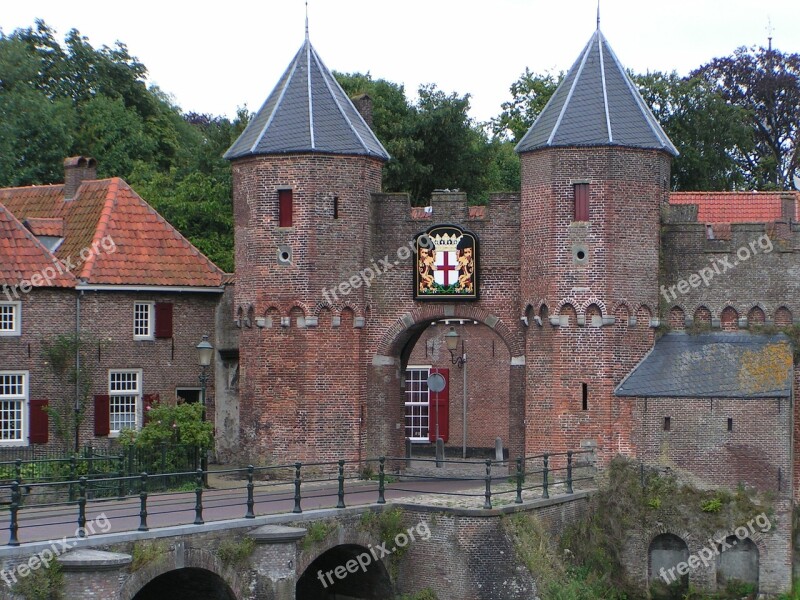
(107, 327)
(487, 381)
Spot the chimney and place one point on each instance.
(77, 169)
(363, 104)
(789, 206)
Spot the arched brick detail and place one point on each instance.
(568, 309)
(620, 304)
(594, 302)
(323, 305)
(756, 315)
(783, 317)
(198, 558)
(729, 319)
(677, 317)
(571, 301)
(702, 314)
(303, 307)
(396, 336)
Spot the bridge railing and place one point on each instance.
(139, 499)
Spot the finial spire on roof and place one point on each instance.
(598, 14)
(770, 31)
(306, 19)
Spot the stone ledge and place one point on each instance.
(86, 559)
(277, 534)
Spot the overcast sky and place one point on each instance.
(213, 58)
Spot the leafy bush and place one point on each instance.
(233, 552)
(45, 583)
(713, 505)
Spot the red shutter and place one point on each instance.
(284, 208)
(163, 320)
(439, 408)
(37, 422)
(102, 414)
(148, 400)
(581, 201)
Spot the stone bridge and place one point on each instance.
(372, 551)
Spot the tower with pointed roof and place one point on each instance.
(303, 172)
(595, 173)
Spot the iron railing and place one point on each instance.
(278, 488)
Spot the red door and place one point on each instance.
(439, 408)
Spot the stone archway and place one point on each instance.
(665, 553)
(385, 418)
(189, 583)
(345, 571)
(738, 562)
(194, 569)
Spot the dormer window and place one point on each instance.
(50, 232)
(10, 318)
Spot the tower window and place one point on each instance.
(581, 193)
(667, 423)
(730, 424)
(284, 208)
(336, 207)
(584, 396)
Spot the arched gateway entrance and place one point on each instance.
(421, 331)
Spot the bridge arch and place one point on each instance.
(345, 570)
(182, 575)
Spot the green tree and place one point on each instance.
(708, 132)
(529, 95)
(765, 83)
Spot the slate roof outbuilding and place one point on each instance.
(713, 365)
(308, 111)
(596, 104)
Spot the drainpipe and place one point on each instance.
(77, 367)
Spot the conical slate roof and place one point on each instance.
(597, 104)
(308, 111)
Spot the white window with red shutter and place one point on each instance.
(13, 408)
(143, 318)
(417, 403)
(124, 399)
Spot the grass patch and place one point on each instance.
(317, 532)
(234, 553)
(145, 552)
(45, 583)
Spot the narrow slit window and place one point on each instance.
(336, 207)
(284, 208)
(730, 424)
(584, 396)
(667, 423)
(581, 193)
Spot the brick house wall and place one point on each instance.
(107, 326)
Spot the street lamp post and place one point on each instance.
(205, 354)
(451, 338)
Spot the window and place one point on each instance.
(143, 320)
(336, 207)
(417, 403)
(667, 423)
(125, 392)
(730, 424)
(10, 318)
(13, 404)
(284, 208)
(581, 192)
(584, 396)
(188, 395)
